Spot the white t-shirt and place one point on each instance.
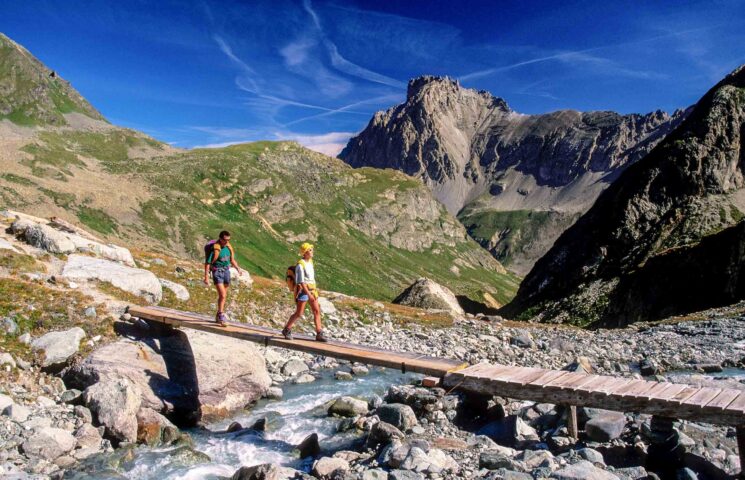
(305, 275)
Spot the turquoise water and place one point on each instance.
(300, 413)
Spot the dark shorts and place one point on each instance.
(221, 275)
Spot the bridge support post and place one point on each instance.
(741, 448)
(572, 421)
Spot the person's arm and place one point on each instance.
(232, 259)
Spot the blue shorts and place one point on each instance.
(221, 275)
(303, 297)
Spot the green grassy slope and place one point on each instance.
(31, 93)
(272, 196)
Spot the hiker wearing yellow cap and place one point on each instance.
(305, 293)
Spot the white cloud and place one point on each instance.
(327, 143)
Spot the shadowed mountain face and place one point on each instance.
(31, 93)
(375, 231)
(493, 166)
(664, 238)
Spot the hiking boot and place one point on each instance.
(287, 333)
(321, 337)
(221, 320)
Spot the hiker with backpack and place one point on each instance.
(301, 279)
(218, 258)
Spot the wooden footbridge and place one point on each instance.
(721, 406)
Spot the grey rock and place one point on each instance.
(49, 443)
(58, 347)
(632, 473)
(5, 401)
(324, 467)
(309, 447)
(591, 455)
(511, 431)
(265, 471)
(404, 475)
(522, 339)
(182, 372)
(71, 396)
(84, 413)
(399, 415)
(9, 326)
(90, 312)
(136, 281)
(383, 433)
(88, 436)
(348, 407)
(25, 338)
(583, 470)
(114, 404)
(178, 290)
(374, 474)
(425, 293)
(17, 413)
(274, 393)
(493, 460)
(605, 427)
(341, 375)
(7, 359)
(294, 367)
(360, 370)
(686, 474)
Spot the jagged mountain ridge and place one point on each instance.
(375, 231)
(665, 238)
(32, 94)
(478, 156)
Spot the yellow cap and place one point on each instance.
(305, 247)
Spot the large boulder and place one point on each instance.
(43, 236)
(511, 431)
(606, 426)
(114, 404)
(61, 237)
(348, 407)
(185, 374)
(266, 471)
(424, 293)
(153, 428)
(397, 414)
(57, 347)
(48, 443)
(326, 466)
(178, 290)
(133, 280)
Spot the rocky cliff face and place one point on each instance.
(661, 239)
(33, 94)
(478, 156)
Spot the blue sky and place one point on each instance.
(221, 72)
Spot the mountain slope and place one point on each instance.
(31, 93)
(663, 238)
(375, 231)
(491, 165)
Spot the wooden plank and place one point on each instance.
(547, 377)
(702, 397)
(725, 397)
(684, 395)
(738, 404)
(669, 392)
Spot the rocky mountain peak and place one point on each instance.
(419, 87)
(665, 237)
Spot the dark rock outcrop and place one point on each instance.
(665, 238)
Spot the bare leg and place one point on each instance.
(316, 313)
(222, 295)
(298, 313)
